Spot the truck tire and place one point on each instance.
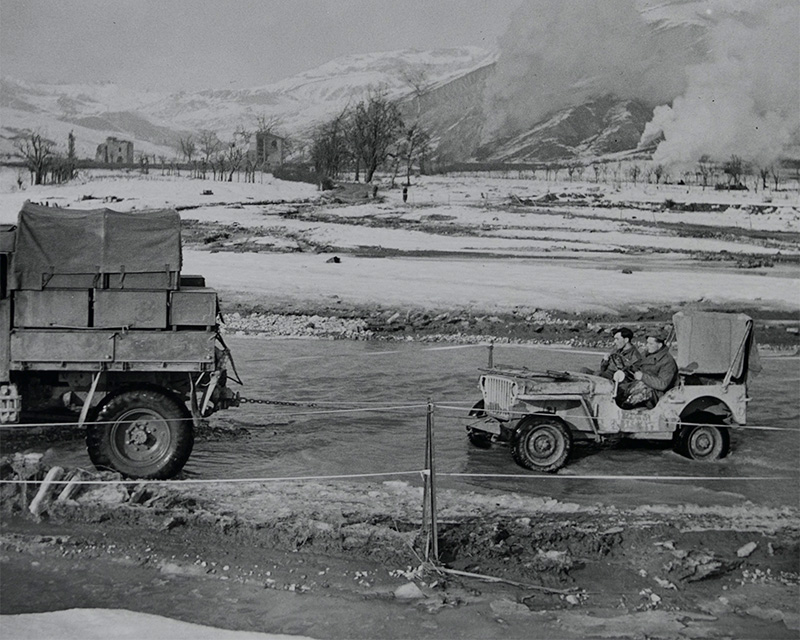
(142, 433)
(541, 444)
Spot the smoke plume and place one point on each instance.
(722, 74)
(745, 98)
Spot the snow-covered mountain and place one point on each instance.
(154, 121)
(694, 77)
(444, 88)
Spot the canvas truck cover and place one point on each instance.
(61, 242)
(716, 342)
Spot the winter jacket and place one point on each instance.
(659, 370)
(628, 359)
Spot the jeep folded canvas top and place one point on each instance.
(100, 248)
(717, 342)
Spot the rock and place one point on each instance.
(140, 494)
(665, 584)
(175, 569)
(716, 607)
(172, 522)
(770, 615)
(27, 465)
(408, 591)
(333, 260)
(791, 620)
(746, 550)
(505, 607)
(107, 494)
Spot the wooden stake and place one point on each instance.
(431, 466)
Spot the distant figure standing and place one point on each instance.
(374, 191)
(405, 194)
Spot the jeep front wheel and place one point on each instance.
(541, 444)
(704, 442)
(141, 433)
(478, 438)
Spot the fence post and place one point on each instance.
(430, 465)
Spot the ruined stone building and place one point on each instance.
(267, 150)
(114, 151)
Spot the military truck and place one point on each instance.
(96, 318)
(540, 414)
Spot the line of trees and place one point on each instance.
(44, 161)
(734, 173)
(206, 153)
(369, 136)
(374, 135)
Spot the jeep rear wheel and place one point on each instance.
(141, 433)
(541, 444)
(704, 442)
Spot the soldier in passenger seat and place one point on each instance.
(657, 373)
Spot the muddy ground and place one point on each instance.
(344, 560)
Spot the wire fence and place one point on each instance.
(444, 410)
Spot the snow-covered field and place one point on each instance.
(91, 624)
(466, 241)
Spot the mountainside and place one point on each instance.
(598, 127)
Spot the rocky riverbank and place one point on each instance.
(774, 329)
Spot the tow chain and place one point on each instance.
(282, 403)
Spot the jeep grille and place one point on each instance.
(499, 395)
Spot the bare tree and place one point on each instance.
(705, 169)
(37, 153)
(763, 172)
(734, 168)
(187, 147)
(236, 150)
(375, 125)
(413, 148)
(658, 172)
(775, 172)
(208, 144)
(571, 165)
(418, 79)
(329, 149)
(634, 172)
(268, 124)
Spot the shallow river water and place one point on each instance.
(377, 377)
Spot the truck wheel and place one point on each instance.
(541, 444)
(704, 442)
(144, 434)
(478, 438)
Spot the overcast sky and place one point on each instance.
(194, 44)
